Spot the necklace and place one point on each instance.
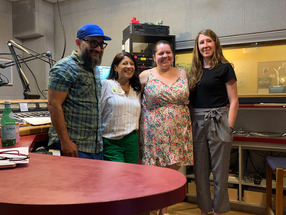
(125, 87)
(126, 90)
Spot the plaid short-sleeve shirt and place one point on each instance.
(82, 104)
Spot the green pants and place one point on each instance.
(122, 150)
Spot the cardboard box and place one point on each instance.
(253, 197)
(233, 194)
(259, 198)
(192, 188)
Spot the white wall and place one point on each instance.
(6, 34)
(185, 18)
(44, 19)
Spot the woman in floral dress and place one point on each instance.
(165, 123)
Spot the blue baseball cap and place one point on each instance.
(91, 30)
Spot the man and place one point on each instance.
(74, 97)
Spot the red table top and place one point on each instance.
(27, 141)
(64, 185)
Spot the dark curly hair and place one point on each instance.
(134, 80)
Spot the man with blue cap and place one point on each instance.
(74, 97)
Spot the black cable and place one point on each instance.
(277, 155)
(3, 53)
(64, 33)
(38, 87)
(259, 154)
(248, 153)
(44, 91)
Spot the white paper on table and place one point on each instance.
(38, 120)
(23, 107)
(22, 150)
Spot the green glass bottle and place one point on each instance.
(8, 127)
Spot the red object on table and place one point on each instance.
(64, 185)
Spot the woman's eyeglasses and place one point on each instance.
(93, 43)
(13, 155)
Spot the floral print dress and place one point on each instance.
(165, 124)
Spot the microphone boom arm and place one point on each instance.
(46, 57)
(27, 59)
(21, 74)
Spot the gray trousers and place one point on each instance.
(212, 139)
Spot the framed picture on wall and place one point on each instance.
(272, 76)
(5, 72)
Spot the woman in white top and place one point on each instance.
(120, 110)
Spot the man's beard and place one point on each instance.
(92, 62)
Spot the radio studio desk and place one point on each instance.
(63, 185)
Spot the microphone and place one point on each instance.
(20, 47)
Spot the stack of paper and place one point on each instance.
(38, 120)
(10, 157)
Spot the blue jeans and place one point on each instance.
(97, 156)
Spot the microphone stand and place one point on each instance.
(46, 57)
(29, 58)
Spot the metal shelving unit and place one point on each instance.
(139, 40)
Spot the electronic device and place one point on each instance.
(277, 89)
(139, 39)
(142, 28)
(29, 109)
(104, 71)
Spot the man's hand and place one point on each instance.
(69, 149)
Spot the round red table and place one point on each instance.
(64, 185)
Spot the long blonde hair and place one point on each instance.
(197, 63)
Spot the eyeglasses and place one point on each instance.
(13, 155)
(93, 43)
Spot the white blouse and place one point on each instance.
(119, 113)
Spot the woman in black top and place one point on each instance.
(213, 87)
